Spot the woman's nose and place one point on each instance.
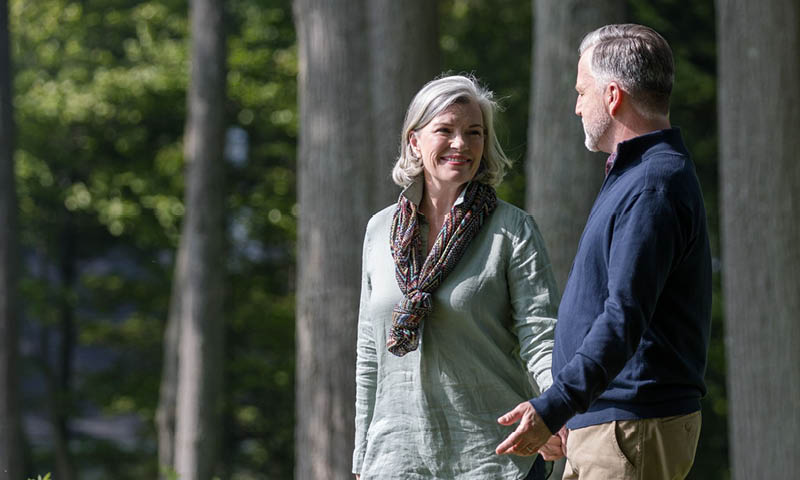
(458, 141)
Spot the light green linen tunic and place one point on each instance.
(485, 348)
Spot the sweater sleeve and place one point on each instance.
(534, 301)
(642, 244)
(366, 366)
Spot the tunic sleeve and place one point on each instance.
(366, 365)
(534, 301)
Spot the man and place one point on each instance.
(633, 326)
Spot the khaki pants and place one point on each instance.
(650, 449)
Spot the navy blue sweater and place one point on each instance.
(633, 325)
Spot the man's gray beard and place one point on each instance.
(600, 128)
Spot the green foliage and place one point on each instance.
(100, 93)
(39, 477)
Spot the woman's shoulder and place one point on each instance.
(381, 221)
(511, 216)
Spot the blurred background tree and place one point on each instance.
(760, 206)
(99, 92)
(10, 438)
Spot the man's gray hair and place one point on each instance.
(432, 100)
(636, 57)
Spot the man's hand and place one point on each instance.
(564, 434)
(531, 433)
(556, 446)
(552, 450)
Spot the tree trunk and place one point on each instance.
(335, 170)
(61, 394)
(10, 438)
(563, 178)
(403, 37)
(168, 391)
(759, 111)
(200, 276)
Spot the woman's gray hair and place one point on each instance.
(432, 100)
(636, 57)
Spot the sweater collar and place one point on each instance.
(638, 145)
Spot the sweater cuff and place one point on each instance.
(553, 409)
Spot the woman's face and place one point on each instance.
(451, 145)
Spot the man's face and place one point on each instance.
(589, 106)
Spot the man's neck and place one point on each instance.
(627, 129)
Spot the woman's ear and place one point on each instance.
(412, 141)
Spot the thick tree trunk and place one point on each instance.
(335, 169)
(759, 113)
(200, 276)
(403, 39)
(10, 439)
(563, 178)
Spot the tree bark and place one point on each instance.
(563, 177)
(61, 393)
(403, 37)
(168, 390)
(759, 111)
(10, 438)
(200, 276)
(335, 169)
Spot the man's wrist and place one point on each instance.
(552, 409)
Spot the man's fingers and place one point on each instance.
(549, 456)
(511, 417)
(509, 443)
(564, 434)
(552, 450)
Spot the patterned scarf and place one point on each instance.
(418, 280)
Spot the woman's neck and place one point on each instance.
(437, 200)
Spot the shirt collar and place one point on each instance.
(414, 191)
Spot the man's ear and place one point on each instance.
(613, 97)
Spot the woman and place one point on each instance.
(458, 303)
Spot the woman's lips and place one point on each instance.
(456, 160)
